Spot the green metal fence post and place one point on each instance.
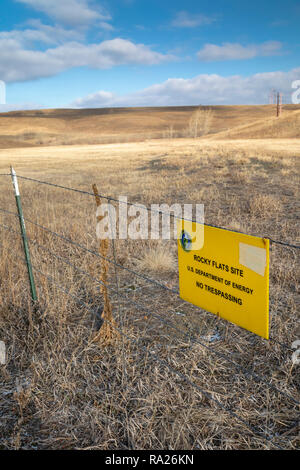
(24, 236)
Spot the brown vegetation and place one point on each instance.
(61, 389)
(117, 125)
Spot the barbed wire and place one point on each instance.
(149, 209)
(168, 323)
(78, 245)
(150, 280)
(255, 430)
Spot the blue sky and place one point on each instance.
(90, 53)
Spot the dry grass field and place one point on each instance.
(115, 125)
(61, 388)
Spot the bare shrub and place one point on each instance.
(157, 260)
(200, 123)
(169, 133)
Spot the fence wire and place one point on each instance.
(135, 273)
(266, 434)
(149, 209)
(190, 337)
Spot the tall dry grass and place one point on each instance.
(61, 389)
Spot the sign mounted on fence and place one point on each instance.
(226, 274)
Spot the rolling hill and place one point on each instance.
(110, 125)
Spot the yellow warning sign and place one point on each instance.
(226, 273)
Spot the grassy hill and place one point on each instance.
(110, 125)
(287, 126)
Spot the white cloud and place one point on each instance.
(69, 12)
(183, 19)
(203, 89)
(19, 64)
(95, 100)
(42, 33)
(235, 51)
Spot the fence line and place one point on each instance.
(192, 339)
(152, 281)
(267, 435)
(68, 240)
(149, 209)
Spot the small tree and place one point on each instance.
(200, 123)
